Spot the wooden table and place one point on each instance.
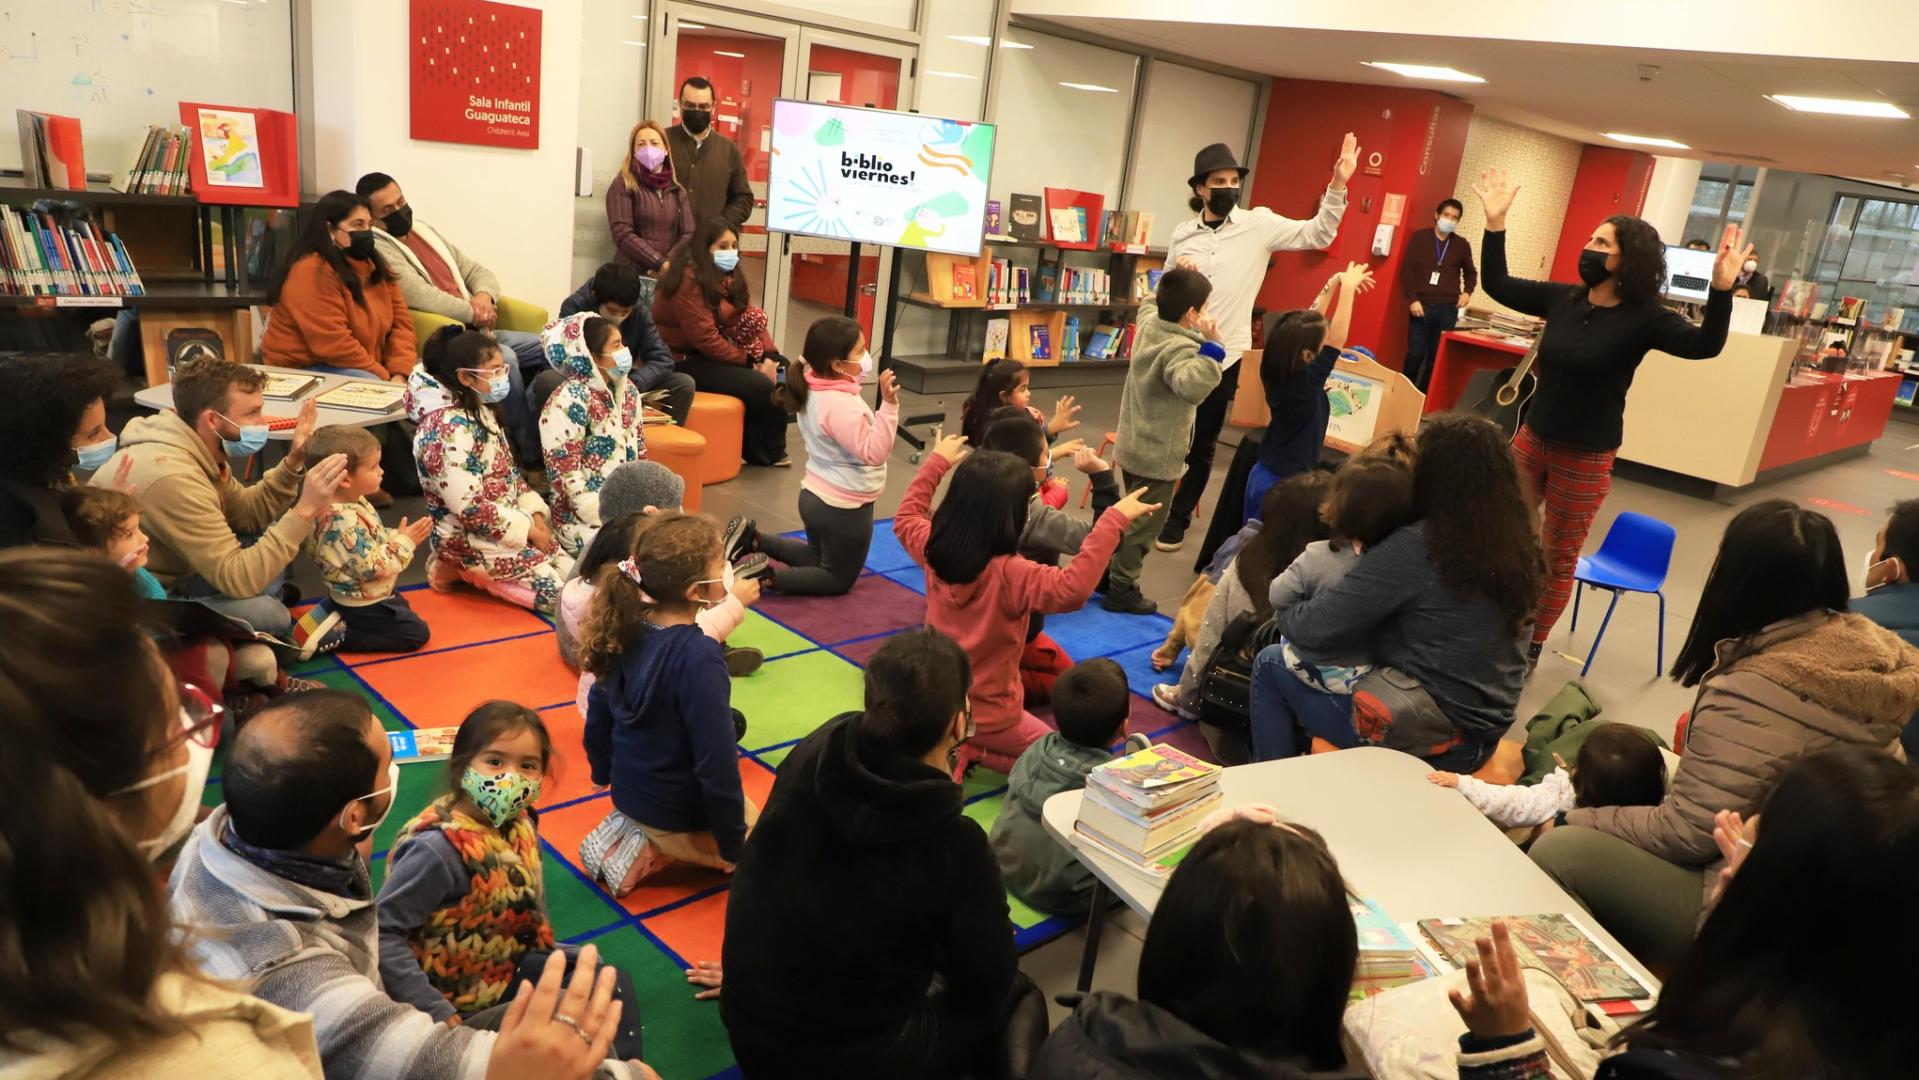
(1420, 850)
(159, 397)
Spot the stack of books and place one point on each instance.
(1553, 943)
(50, 252)
(156, 163)
(1144, 809)
(1388, 956)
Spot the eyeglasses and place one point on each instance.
(201, 718)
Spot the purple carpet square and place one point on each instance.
(859, 652)
(1148, 718)
(875, 606)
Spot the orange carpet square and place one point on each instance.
(570, 777)
(696, 931)
(461, 618)
(439, 689)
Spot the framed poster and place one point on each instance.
(474, 73)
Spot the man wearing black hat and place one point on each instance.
(1231, 245)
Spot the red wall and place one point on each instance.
(865, 79)
(759, 72)
(1422, 136)
(1610, 181)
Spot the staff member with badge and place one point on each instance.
(1437, 274)
(1231, 245)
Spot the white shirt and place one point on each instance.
(1233, 257)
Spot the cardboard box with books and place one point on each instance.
(1144, 809)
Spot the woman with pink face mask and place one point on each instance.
(647, 210)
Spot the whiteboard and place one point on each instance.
(119, 65)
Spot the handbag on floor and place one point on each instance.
(1226, 688)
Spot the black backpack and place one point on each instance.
(1226, 688)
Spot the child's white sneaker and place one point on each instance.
(1166, 696)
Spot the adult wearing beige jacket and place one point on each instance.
(215, 539)
(1783, 671)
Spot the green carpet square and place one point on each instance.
(789, 699)
(981, 781)
(986, 811)
(341, 679)
(573, 906)
(420, 784)
(769, 637)
(683, 1037)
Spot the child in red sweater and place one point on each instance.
(981, 593)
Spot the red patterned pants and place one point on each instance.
(1571, 484)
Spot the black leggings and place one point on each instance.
(833, 554)
(765, 439)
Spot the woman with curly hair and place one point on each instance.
(1441, 604)
(1596, 334)
(53, 408)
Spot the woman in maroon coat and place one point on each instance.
(647, 210)
(705, 314)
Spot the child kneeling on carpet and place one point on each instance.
(1370, 498)
(1050, 533)
(463, 909)
(1617, 765)
(590, 423)
(660, 729)
(981, 593)
(846, 448)
(359, 557)
(490, 530)
(1090, 704)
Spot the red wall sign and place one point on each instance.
(475, 73)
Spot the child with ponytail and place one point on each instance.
(490, 530)
(660, 728)
(846, 447)
(1006, 383)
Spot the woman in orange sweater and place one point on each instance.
(336, 307)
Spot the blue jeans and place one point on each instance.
(265, 613)
(1283, 704)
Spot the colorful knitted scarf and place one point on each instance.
(470, 948)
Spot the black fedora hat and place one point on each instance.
(1212, 159)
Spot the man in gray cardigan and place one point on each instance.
(272, 890)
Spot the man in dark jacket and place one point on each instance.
(614, 293)
(707, 163)
(867, 931)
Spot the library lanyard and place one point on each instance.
(1440, 247)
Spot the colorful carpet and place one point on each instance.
(483, 650)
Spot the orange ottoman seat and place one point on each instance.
(684, 452)
(722, 421)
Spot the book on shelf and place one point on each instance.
(1100, 345)
(288, 385)
(1069, 343)
(422, 744)
(1124, 351)
(965, 281)
(1039, 342)
(1553, 943)
(364, 395)
(1068, 224)
(1023, 213)
(998, 331)
(62, 252)
(1047, 289)
(1112, 228)
(1146, 283)
(1139, 226)
(992, 222)
(52, 154)
(1022, 286)
(241, 156)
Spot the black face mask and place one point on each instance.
(695, 120)
(399, 222)
(1592, 267)
(1222, 200)
(360, 243)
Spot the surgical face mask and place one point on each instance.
(865, 363)
(94, 455)
(392, 785)
(1221, 200)
(502, 795)
(650, 158)
(252, 440)
(724, 581)
(199, 762)
(622, 362)
(1446, 226)
(360, 243)
(1592, 267)
(498, 384)
(399, 222)
(695, 120)
(1750, 265)
(726, 259)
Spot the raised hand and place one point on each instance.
(418, 530)
(1732, 258)
(1497, 1006)
(547, 1032)
(1496, 191)
(317, 490)
(303, 423)
(1348, 163)
(1065, 416)
(1207, 326)
(889, 387)
(123, 476)
(1088, 461)
(1734, 836)
(1357, 277)
(1134, 505)
(952, 448)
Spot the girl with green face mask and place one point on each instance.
(463, 908)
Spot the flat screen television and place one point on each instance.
(1688, 274)
(878, 177)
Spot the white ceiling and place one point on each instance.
(1713, 102)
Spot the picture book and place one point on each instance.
(51, 154)
(1024, 215)
(364, 395)
(287, 385)
(1069, 341)
(993, 223)
(1069, 225)
(1908, 389)
(1851, 307)
(1158, 869)
(996, 335)
(1039, 342)
(1100, 347)
(1158, 766)
(422, 744)
(1046, 290)
(1112, 228)
(1554, 944)
(229, 147)
(1382, 944)
(965, 281)
(1141, 222)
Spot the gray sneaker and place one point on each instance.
(742, 662)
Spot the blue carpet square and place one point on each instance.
(1094, 631)
(885, 553)
(1138, 665)
(910, 576)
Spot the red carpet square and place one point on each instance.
(439, 689)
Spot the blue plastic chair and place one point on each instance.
(1634, 557)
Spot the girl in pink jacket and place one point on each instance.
(846, 448)
(981, 593)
